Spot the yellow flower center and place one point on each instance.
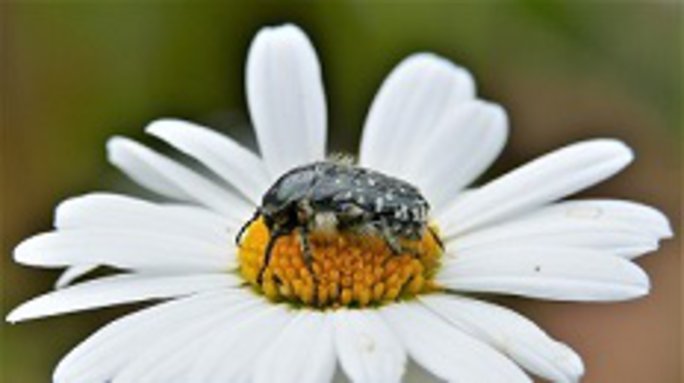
(347, 269)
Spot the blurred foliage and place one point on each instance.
(74, 73)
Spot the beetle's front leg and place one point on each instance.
(305, 246)
(393, 242)
(307, 254)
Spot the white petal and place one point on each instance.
(303, 353)
(511, 334)
(286, 99)
(246, 338)
(106, 210)
(546, 179)
(446, 351)
(460, 147)
(124, 249)
(169, 178)
(553, 228)
(549, 272)
(368, 351)
(73, 273)
(122, 154)
(104, 353)
(413, 99)
(119, 289)
(228, 159)
(167, 358)
(636, 216)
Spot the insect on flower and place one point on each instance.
(334, 196)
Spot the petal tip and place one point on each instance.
(285, 34)
(283, 28)
(11, 318)
(642, 284)
(619, 149)
(20, 313)
(161, 125)
(627, 151)
(22, 252)
(666, 230)
(429, 61)
(116, 145)
(571, 363)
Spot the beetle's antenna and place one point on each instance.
(436, 237)
(238, 236)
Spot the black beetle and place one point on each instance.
(333, 196)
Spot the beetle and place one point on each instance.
(332, 196)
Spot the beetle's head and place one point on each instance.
(281, 217)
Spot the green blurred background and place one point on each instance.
(75, 73)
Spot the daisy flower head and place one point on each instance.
(290, 267)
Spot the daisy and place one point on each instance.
(375, 306)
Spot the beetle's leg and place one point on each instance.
(305, 244)
(307, 255)
(267, 254)
(392, 242)
(238, 236)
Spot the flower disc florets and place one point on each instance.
(348, 269)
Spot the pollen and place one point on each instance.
(347, 270)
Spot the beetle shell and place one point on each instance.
(357, 198)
